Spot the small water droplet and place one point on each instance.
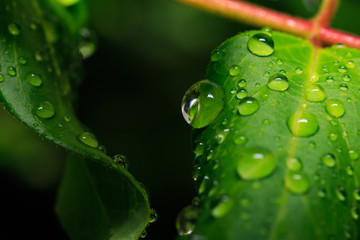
(2, 77)
(257, 85)
(350, 64)
(267, 30)
(340, 193)
(266, 122)
(278, 82)
(354, 213)
(335, 108)
(356, 194)
(321, 193)
(279, 62)
(14, 29)
(103, 149)
(88, 139)
(297, 182)
(153, 216)
(11, 71)
(342, 69)
(329, 79)
(186, 219)
(240, 140)
(346, 78)
(261, 44)
(234, 70)
(199, 150)
(45, 110)
(349, 170)
(353, 154)
(118, 158)
(315, 93)
(242, 93)
(294, 164)
(348, 99)
(312, 144)
(333, 137)
(202, 103)
(224, 207)
(302, 124)
(298, 71)
(67, 118)
(34, 79)
(266, 74)
(87, 49)
(216, 55)
(248, 106)
(22, 60)
(329, 160)
(242, 83)
(255, 163)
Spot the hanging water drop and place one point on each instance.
(335, 108)
(248, 106)
(88, 139)
(45, 110)
(315, 93)
(255, 163)
(202, 103)
(261, 44)
(278, 82)
(302, 124)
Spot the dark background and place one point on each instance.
(149, 52)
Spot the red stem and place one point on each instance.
(249, 13)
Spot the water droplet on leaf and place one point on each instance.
(11, 71)
(223, 208)
(234, 70)
(34, 79)
(294, 164)
(315, 93)
(89, 139)
(335, 108)
(216, 55)
(329, 160)
(45, 110)
(248, 106)
(14, 29)
(278, 82)
(261, 44)
(302, 124)
(297, 182)
(118, 158)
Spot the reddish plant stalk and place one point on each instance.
(315, 29)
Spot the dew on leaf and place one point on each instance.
(34, 79)
(349, 170)
(328, 160)
(297, 182)
(242, 93)
(67, 118)
(248, 106)
(202, 103)
(350, 64)
(22, 60)
(234, 70)
(118, 158)
(356, 194)
(153, 216)
(11, 71)
(333, 137)
(14, 29)
(342, 69)
(279, 62)
(293, 164)
(302, 124)
(354, 213)
(88, 139)
(45, 110)
(87, 49)
(240, 140)
(266, 74)
(298, 71)
(329, 79)
(321, 193)
(216, 55)
(340, 193)
(267, 30)
(2, 77)
(315, 93)
(222, 208)
(257, 85)
(261, 44)
(353, 154)
(278, 82)
(335, 108)
(266, 122)
(346, 78)
(255, 163)
(242, 83)
(186, 219)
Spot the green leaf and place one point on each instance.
(289, 168)
(40, 69)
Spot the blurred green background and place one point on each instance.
(149, 52)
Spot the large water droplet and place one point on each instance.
(88, 139)
(302, 124)
(315, 93)
(261, 44)
(329, 160)
(248, 106)
(185, 221)
(255, 163)
(45, 110)
(297, 182)
(293, 164)
(118, 158)
(335, 107)
(278, 82)
(224, 207)
(202, 103)
(34, 79)
(14, 29)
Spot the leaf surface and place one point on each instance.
(40, 70)
(241, 196)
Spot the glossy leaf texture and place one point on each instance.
(280, 162)
(42, 44)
